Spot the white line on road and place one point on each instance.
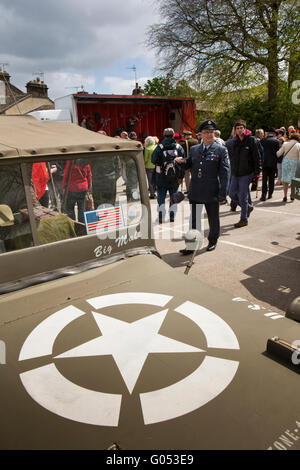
(178, 229)
(260, 251)
(277, 212)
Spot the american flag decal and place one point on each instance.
(105, 219)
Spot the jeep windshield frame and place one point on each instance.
(24, 266)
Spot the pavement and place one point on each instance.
(258, 264)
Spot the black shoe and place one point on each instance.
(292, 198)
(241, 223)
(232, 209)
(263, 198)
(270, 196)
(160, 220)
(250, 209)
(172, 216)
(211, 246)
(284, 199)
(152, 197)
(185, 252)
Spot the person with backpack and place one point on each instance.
(168, 171)
(210, 168)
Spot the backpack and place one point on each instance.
(170, 169)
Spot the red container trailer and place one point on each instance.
(146, 115)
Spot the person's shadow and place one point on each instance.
(276, 280)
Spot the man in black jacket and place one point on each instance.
(270, 145)
(245, 163)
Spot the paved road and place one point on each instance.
(259, 263)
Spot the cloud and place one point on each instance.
(121, 86)
(72, 35)
(74, 42)
(61, 84)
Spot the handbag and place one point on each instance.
(89, 202)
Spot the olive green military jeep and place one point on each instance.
(102, 344)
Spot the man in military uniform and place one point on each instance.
(186, 143)
(210, 171)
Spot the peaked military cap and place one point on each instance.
(185, 132)
(208, 124)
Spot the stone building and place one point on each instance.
(14, 101)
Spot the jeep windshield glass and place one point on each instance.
(15, 230)
(69, 198)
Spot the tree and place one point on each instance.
(168, 86)
(256, 112)
(160, 86)
(229, 43)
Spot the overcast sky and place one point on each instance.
(89, 43)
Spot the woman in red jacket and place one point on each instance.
(80, 183)
(40, 178)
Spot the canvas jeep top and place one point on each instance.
(29, 148)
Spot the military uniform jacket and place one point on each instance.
(210, 173)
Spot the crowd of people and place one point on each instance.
(206, 168)
(212, 169)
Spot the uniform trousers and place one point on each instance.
(268, 178)
(213, 216)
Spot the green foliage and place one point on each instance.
(183, 89)
(258, 113)
(168, 86)
(229, 44)
(160, 86)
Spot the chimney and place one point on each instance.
(138, 90)
(37, 89)
(4, 76)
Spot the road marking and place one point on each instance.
(277, 212)
(175, 229)
(260, 251)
